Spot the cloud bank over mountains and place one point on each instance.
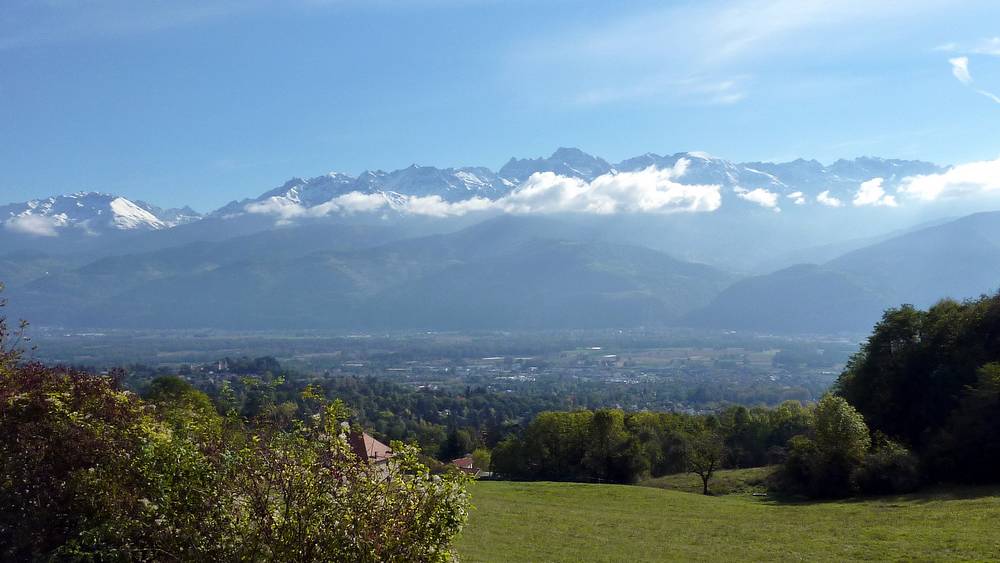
(567, 182)
(651, 190)
(973, 179)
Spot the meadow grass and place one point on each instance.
(584, 522)
(724, 482)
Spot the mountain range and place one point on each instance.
(775, 256)
(93, 213)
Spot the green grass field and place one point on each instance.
(577, 522)
(726, 482)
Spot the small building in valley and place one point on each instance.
(367, 448)
(467, 465)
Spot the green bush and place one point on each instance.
(826, 464)
(91, 472)
(888, 469)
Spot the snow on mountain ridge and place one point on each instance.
(801, 181)
(91, 213)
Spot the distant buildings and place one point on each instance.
(468, 465)
(367, 448)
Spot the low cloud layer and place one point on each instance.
(35, 225)
(650, 190)
(871, 193)
(824, 198)
(647, 191)
(760, 196)
(358, 202)
(964, 180)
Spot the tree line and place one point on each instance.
(930, 380)
(919, 403)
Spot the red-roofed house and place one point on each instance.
(466, 464)
(366, 447)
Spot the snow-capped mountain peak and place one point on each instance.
(91, 213)
(765, 184)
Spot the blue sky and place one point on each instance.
(185, 102)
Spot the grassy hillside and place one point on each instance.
(725, 482)
(576, 522)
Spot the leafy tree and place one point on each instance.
(482, 459)
(928, 381)
(607, 457)
(888, 468)
(968, 448)
(705, 449)
(180, 404)
(825, 464)
(458, 443)
(840, 429)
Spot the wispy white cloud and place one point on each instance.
(35, 225)
(691, 89)
(871, 193)
(987, 46)
(648, 54)
(798, 198)
(960, 69)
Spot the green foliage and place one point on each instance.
(125, 488)
(577, 445)
(825, 463)
(458, 443)
(704, 451)
(172, 480)
(482, 459)
(185, 408)
(887, 469)
(930, 380)
(969, 446)
(612, 445)
(840, 429)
